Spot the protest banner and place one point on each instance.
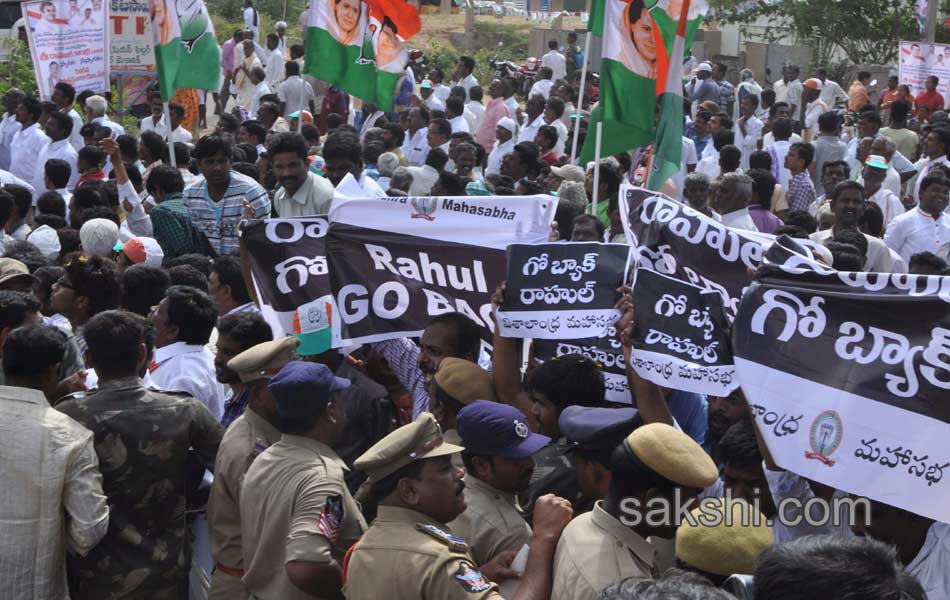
(606, 350)
(562, 291)
(289, 268)
(131, 36)
(848, 376)
(920, 60)
(68, 42)
(397, 262)
(681, 336)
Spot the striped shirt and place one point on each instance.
(218, 221)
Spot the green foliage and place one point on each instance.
(513, 46)
(270, 11)
(867, 32)
(18, 70)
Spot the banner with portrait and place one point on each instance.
(68, 42)
(848, 377)
(920, 60)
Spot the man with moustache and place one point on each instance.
(721, 413)
(407, 554)
(498, 449)
(237, 333)
(302, 192)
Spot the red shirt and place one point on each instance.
(932, 100)
(550, 158)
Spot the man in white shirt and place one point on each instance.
(454, 112)
(732, 201)
(778, 150)
(831, 92)
(438, 134)
(504, 143)
(294, 93)
(371, 117)
(252, 19)
(688, 160)
(280, 28)
(555, 61)
(52, 485)
(9, 126)
(814, 108)
(847, 205)
(301, 192)
(96, 107)
(64, 95)
(427, 91)
(748, 129)
(28, 142)
(155, 121)
(543, 85)
(344, 167)
(789, 89)
(258, 79)
(475, 105)
(925, 228)
(275, 61)
(415, 146)
(439, 89)
(183, 322)
(553, 111)
(936, 148)
(872, 176)
(424, 177)
(533, 119)
(463, 75)
(178, 133)
(58, 128)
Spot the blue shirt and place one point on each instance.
(218, 221)
(689, 410)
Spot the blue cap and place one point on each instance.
(496, 429)
(597, 428)
(302, 389)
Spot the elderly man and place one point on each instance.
(96, 107)
(732, 201)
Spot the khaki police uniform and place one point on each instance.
(596, 550)
(406, 555)
(244, 440)
(248, 436)
(491, 522)
(295, 506)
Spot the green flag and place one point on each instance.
(187, 54)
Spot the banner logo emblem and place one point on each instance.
(424, 207)
(825, 437)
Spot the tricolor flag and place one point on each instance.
(186, 52)
(358, 46)
(637, 38)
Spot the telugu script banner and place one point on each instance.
(919, 60)
(397, 262)
(848, 376)
(562, 291)
(131, 33)
(68, 42)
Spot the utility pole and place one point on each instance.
(930, 27)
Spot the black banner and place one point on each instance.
(681, 336)
(849, 377)
(606, 350)
(562, 291)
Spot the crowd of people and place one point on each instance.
(159, 441)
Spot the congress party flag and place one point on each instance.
(358, 46)
(638, 37)
(186, 52)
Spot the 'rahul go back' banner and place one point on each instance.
(397, 262)
(848, 377)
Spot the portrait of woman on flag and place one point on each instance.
(344, 25)
(161, 22)
(390, 54)
(637, 48)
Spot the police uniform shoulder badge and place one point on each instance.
(455, 543)
(330, 520)
(471, 579)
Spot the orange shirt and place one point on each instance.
(857, 96)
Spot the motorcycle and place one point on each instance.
(528, 74)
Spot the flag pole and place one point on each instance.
(600, 127)
(580, 99)
(171, 145)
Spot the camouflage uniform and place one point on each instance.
(150, 445)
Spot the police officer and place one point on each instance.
(655, 465)
(592, 434)
(457, 383)
(249, 435)
(498, 448)
(297, 515)
(408, 553)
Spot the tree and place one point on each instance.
(867, 31)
